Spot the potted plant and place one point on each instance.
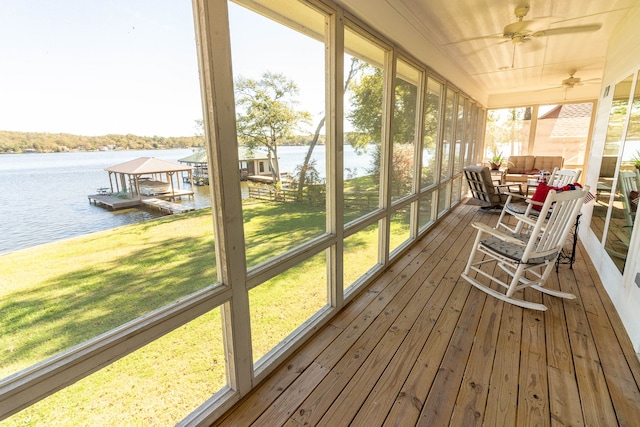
(496, 159)
(636, 159)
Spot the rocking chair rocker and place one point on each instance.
(528, 258)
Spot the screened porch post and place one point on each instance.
(214, 55)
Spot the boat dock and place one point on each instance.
(115, 203)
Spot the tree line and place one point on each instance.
(25, 142)
(40, 142)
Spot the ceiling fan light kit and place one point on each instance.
(571, 81)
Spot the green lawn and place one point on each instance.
(58, 295)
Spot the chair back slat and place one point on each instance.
(562, 177)
(554, 222)
(481, 185)
(476, 185)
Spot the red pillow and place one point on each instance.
(540, 195)
(542, 190)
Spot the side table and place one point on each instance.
(499, 175)
(569, 256)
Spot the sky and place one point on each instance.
(95, 67)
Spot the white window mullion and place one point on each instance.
(335, 154)
(385, 152)
(417, 153)
(214, 53)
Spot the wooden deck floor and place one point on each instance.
(420, 346)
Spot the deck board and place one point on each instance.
(421, 346)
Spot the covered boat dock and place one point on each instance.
(145, 181)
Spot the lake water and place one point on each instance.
(43, 197)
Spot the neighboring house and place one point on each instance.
(251, 163)
(564, 131)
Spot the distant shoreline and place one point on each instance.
(41, 142)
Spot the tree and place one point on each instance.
(366, 116)
(199, 132)
(267, 114)
(506, 128)
(366, 105)
(304, 169)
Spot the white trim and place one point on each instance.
(41, 380)
(214, 57)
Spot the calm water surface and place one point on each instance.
(43, 197)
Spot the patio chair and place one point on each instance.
(628, 187)
(483, 188)
(523, 205)
(534, 253)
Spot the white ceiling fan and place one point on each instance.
(571, 82)
(526, 32)
(520, 31)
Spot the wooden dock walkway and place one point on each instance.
(166, 206)
(112, 202)
(115, 203)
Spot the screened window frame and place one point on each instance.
(230, 293)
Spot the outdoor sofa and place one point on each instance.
(522, 168)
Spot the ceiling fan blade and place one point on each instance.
(549, 88)
(567, 30)
(489, 46)
(492, 36)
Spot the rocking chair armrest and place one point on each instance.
(526, 219)
(518, 195)
(508, 187)
(484, 228)
(534, 202)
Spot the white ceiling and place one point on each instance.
(470, 34)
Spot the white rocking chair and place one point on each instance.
(519, 204)
(529, 258)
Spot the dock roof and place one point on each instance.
(244, 154)
(143, 165)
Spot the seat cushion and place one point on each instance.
(513, 251)
(520, 164)
(519, 207)
(516, 177)
(547, 163)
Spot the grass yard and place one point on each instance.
(58, 295)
